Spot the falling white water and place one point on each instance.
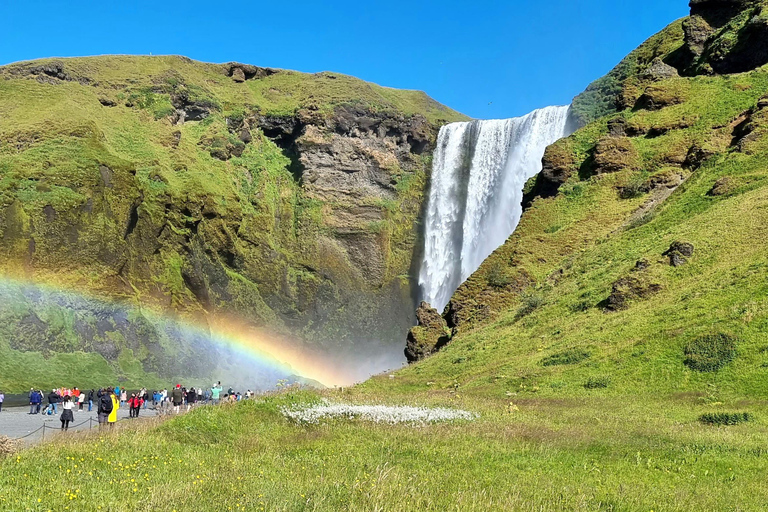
(478, 174)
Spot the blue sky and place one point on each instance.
(486, 58)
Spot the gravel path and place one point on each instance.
(15, 422)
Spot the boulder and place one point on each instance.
(238, 75)
(429, 336)
(722, 186)
(242, 72)
(697, 155)
(617, 127)
(659, 70)
(678, 253)
(641, 265)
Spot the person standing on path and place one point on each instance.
(35, 398)
(139, 401)
(112, 419)
(134, 403)
(90, 400)
(216, 392)
(191, 398)
(123, 396)
(104, 406)
(53, 399)
(177, 397)
(2, 399)
(66, 413)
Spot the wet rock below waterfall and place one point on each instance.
(429, 336)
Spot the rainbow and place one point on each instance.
(277, 355)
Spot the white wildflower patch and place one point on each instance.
(376, 413)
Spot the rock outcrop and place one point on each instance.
(428, 336)
(678, 253)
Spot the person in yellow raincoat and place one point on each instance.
(115, 406)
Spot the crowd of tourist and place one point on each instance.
(110, 399)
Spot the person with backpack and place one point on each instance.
(177, 397)
(53, 399)
(66, 413)
(104, 406)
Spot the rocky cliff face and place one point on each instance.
(288, 200)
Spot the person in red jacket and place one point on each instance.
(135, 403)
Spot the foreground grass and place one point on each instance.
(543, 454)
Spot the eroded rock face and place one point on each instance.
(741, 47)
(352, 162)
(429, 336)
(557, 166)
(718, 12)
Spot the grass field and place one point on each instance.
(589, 453)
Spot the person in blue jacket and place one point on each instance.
(35, 399)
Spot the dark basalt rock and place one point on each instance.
(712, 46)
(696, 156)
(557, 167)
(718, 12)
(242, 72)
(678, 253)
(188, 109)
(429, 336)
(641, 265)
(722, 186)
(617, 127)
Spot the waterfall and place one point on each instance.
(478, 174)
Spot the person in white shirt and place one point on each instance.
(66, 413)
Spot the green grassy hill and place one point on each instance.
(584, 299)
(203, 191)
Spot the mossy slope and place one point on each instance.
(152, 180)
(590, 272)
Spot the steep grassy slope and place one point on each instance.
(287, 199)
(586, 298)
